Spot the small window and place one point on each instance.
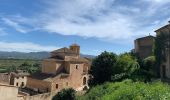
(17, 77)
(22, 76)
(56, 86)
(17, 84)
(77, 66)
(22, 84)
(66, 83)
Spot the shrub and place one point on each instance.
(128, 90)
(65, 94)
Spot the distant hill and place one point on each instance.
(31, 55)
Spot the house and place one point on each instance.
(64, 69)
(144, 46)
(165, 66)
(18, 78)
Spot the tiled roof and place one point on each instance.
(48, 77)
(63, 50)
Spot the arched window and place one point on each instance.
(84, 81)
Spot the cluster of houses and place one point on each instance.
(66, 69)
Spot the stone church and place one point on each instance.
(64, 69)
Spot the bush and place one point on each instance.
(65, 94)
(128, 90)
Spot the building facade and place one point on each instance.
(165, 66)
(144, 46)
(64, 69)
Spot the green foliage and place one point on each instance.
(65, 94)
(128, 90)
(160, 45)
(9, 65)
(103, 67)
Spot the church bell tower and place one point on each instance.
(75, 48)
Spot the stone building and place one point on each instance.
(165, 66)
(18, 78)
(144, 46)
(64, 69)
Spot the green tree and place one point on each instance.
(65, 94)
(126, 65)
(102, 68)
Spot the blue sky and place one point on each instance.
(96, 25)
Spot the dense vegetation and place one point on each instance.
(128, 90)
(65, 94)
(8, 65)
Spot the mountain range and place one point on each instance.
(30, 55)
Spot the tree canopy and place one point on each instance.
(102, 67)
(65, 94)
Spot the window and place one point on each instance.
(66, 83)
(22, 84)
(22, 76)
(84, 81)
(56, 86)
(17, 84)
(77, 66)
(17, 77)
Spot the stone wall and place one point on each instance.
(38, 85)
(5, 79)
(51, 67)
(8, 92)
(144, 46)
(45, 96)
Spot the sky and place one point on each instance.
(96, 25)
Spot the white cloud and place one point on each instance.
(103, 19)
(24, 47)
(15, 25)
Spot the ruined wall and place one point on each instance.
(5, 79)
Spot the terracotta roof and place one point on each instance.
(20, 74)
(80, 59)
(48, 77)
(63, 50)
